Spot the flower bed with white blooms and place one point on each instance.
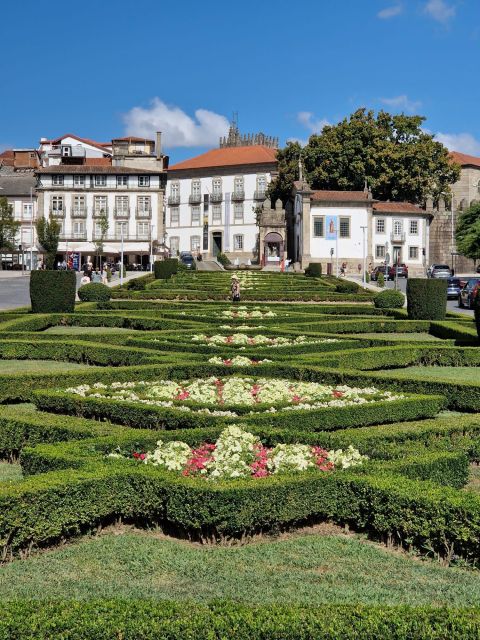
(243, 340)
(245, 312)
(240, 454)
(227, 396)
(237, 361)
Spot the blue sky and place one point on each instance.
(106, 68)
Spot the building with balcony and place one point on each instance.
(213, 199)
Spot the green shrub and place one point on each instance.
(137, 284)
(53, 291)
(427, 298)
(389, 299)
(477, 314)
(94, 292)
(223, 260)
(346, 287)
(314, 270)
(164, 269)
(380, 280)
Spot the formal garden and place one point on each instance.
(303, 464)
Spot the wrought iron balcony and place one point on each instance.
(57, 213)
(260, 195)
(99, 212)
(238, 195)
(78, 212)
(121, 212)
(143, 213)
(397, 237)
(173, 200)
(216, 196)
(78, 235)
(195, 198)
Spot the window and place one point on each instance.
(174, 216)
(195, 216)
(27, 211)
(217, 185)
(216, 214)
(57, 203)
(195, 243)
(122, 181)
(121, 229)
(414, 227)
(397, 227)
(66, 152)
(78, 204)
(344, 227)
(78, 181)
(143, 181)
(57, 180)
(380, 251)
(174, 245)
(413, 253)
(318, 227)
(174, 189)
(196, 188)
(380, 227)
(261, 184)
(100, 181)
(26, 236)
(238, 184)
(121, 204)
(144, 205)
(143, 230)
(100, 205)
(78, 229)
(238, 243)
(238, 213)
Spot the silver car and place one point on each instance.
(439, 271)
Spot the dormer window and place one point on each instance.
(57, 180)
(143, 181)
(100, 181)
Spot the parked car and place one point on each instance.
(401, 269)
(187, 259)
(477, 270)
(466, 297)
(439, 271)
(381, 269)
(454, 286)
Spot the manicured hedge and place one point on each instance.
(164, 269)
(314, 270)
(154, 620)
(426, 298)
(389, 299)
(94, 292)
(53, 291)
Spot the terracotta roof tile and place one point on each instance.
(339, 196)
(229, 156)
(67, 169)
(397, 207)
(106, 162)
(464, 159)
(92, 143)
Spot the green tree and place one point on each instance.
(101, 224)
(8, 228)
(398, 159)
(48, 232)
(467, 232)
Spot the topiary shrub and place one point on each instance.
(164, 269)
(53, 291)
(94, 292)
(137, 284)
(223, 260)
(314, 270)
(380, 280)
(346, 287)
(477, 314)
(389, 299)
(426, 298)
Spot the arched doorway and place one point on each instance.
(273, 246)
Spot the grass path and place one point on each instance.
(305, 569)
(443, 374)
(10, 472)
(38, 366)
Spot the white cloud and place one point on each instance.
(178, 128)
(306, 118)
(463, 142)
(402, 102)
(439, 10)
(390, 12)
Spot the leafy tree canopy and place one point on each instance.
(48, 232)
(467, 233)
(398, 159)
(8, 227)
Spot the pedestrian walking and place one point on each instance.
(235, 289)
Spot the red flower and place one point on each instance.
(337, 394)
(228, 362)
(296, 398)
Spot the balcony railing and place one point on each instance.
(397, 237)
(121, 212)
(78, 212)
(73, 235)
(99, 212)
(173, 200)
(216, 196)
(238, 196)
(195, 198)
(116, 237)
(143, 213)
(57, 213)
(260, 195)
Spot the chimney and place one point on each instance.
(159, 145)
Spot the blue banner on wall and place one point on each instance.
(331, 227)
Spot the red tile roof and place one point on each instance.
(397, 207)
(92, 143)
(7, 158)
(95, 169)
(464, 159)
(106, 162)
(339, 196)
(229, 156)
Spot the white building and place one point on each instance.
(336, 227)
(212, 198)
(126, 188)
(19, 189)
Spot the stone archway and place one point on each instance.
(273, 247)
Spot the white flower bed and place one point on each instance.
(237, 361)
(243, 340)
(240, 454)
(213, 395)
(245, 312)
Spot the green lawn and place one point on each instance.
(73, 331)
(474, 479)
(401, 337)
(305, 569)
(444, 374)
(10, 472)
(38, 366)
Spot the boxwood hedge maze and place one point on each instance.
(301, 412)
